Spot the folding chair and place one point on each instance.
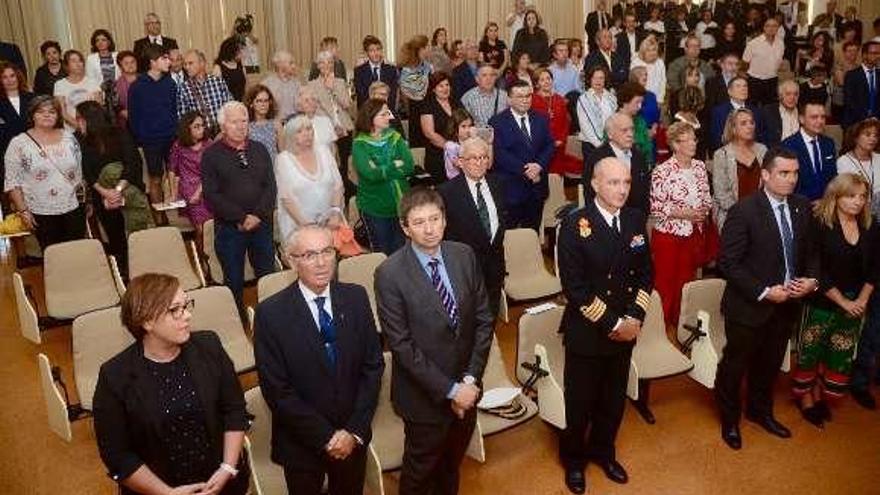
(534, 327)
(162, 250)
(527, 277)
(554, 201)
(78, 279)
(268, 477)
(28, 320)
(214, 266)
(215, 310)
(360, 270)
(495, 376)
(701, 327)
(269, 285)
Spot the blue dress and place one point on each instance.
(264, 133)
(650, 109)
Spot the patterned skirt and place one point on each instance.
(826, 347)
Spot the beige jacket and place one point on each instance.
(725, 185)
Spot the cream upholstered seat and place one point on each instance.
(555, 200)
(214, 265)
(271, 284)
(267, 476)
(215, 310)
(387, 426)
(28, 320)
(78, 279)
(835, 132)
(97, 337)
(574, 148)
(654, 357)
(360, 270)
(162, 250)
(495, 376)
(353, 213)
(56, 407)
(527, 277)
(534, 328)
(418, 156)
(540, 333)
(701, 308)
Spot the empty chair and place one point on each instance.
(28, 320)
(551, 388)
(214, 266)
(703, 297)
(495, 376)
(268, 477)
(162, 250)
(360, 270)
(555, 200)
(654, 356)
(527, 277)
(215, 310)
(56, 406)
(78, 279)
(534, 328)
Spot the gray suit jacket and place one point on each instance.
(725, 184)
(429, 355)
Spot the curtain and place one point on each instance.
(23, 22)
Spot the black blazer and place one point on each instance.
(855, 89)
(751, 257)
(772, 124)
(142, 44)
(716, 91)
(363, 77)
(429, 354)
(12, 54)
(310, 400)
(640, 190)
(591, 26)
(623, 51)
(462, 81)
(463, 225)
(12, 123)
(605, 275)
(618, 70)
(127, 418)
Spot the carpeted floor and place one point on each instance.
(682, 454)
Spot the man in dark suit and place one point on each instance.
(523, 149)
(604, 55)
(153, 30)
(815, 152)
(629, 40)
(320, 367)
(375, 69)
(767, 259)
(606, 274)
(12, 54)
(435, 314)
(464, 76)
(738, 96)
(13, 118)
(861, 87)
(782, 119)
(475, 214)
(620, 130)
(597, 20)
(716, 86)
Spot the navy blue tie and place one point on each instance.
(872, 91)
(787, 243)
(328, 330)
(445, 296)
(817, 158)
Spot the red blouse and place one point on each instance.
(556, 109)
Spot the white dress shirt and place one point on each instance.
(790, 122)
(156, 40)
(624, 155)
(774, 207)
(808, 141)
(609, 219)
(310, 296)
(519, 118)
(487, 196)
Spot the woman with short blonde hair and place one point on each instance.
(649, 57)
(736, 166)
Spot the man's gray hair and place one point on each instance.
(280, 55)
(228, 107)
(291, 242)
(324, 56)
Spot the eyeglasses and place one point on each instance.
(311, 257)
(262, 100)
(242, 159)
(177, 311)
(480, 158)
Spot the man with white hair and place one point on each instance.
(782, 119)
(464, 77)
(283, 84)
(239, 183)
(201, 91)
(620, 130)
(153, 31)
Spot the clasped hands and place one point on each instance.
(213, 486)
(629, 329)
(341, 445)
(465, 399)
(249, 223)
(794, 289)
(532, 171)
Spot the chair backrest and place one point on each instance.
(77, 279)
(418, 156)
(535, 329)
(97, 337)
(835, 132)
(161, 250)
(360, 270)
(703, 295)
(214, 265)
(654, 326)
(271, 284)
(388, 436)
(215, 310)
(555, 199)
(522, 252)
(495, 373)
(353, 213)
(580, 193)
(573, 147)
(56, 407)
(268, 476)
(28, 321)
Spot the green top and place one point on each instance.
(383, 165)
(643, 141)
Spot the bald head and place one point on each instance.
(611, 181)
(620, 129)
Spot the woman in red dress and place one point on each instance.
(554, 106)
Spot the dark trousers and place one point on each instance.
(53, 229)
(763, 91)
(156, 157)
(869, 347)
(231, 246)
(432, 455)
(343, 147)
(595, 395)
(755, 352)
(344, 477)
(385, 234)
(114, 226)
(526, 215)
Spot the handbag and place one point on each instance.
(80, 188)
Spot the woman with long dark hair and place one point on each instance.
(228, 66)
(533, 39)
(492, 48)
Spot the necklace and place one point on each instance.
(859, 163)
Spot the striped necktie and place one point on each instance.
(445, 296)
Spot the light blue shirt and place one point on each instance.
(774, 206)
(565, 79)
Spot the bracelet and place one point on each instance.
(229, 469)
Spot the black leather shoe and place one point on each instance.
(864, 399)
(575, 480)
(730, 435)
(824, 410)
(770, 424)
(614, 471)
(813, 415)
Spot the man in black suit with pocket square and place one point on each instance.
(606, 274)
(769, 264)
(435, 316)
(153, 31)
(320, 368)
(475, 214)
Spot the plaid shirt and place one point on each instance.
(194, 96)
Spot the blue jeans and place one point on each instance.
(385, 233)
(869, 347)
(231, 246)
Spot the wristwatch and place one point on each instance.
(118, 188)
(229, 469)
(468, 380)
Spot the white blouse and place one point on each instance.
(313, 194)
(656, 76)
(869, 170)
(592, 112)
(48, 177)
